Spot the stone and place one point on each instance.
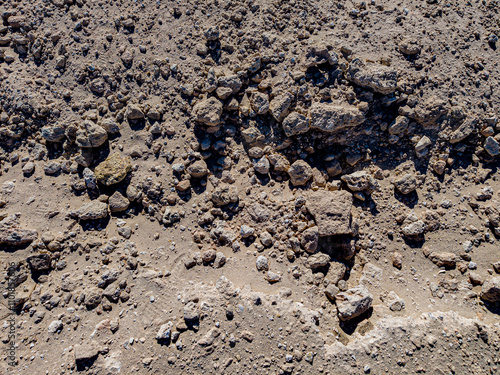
(56, 326)
(331, 211)
(309, 239)
(279, 106)
(113, 170)
(262, 165)
(208, 255)
(198, 169)
(318, 261)
(54, 133)
(423, 143)
(93, 210)
(134, 112)
(330, 118)
(394, 302)
(208, 112)
(318, 54)
(295, 123)
(378, 78)
(406, 183)
(39, 262)
(85, 352)
(416, 228)
(117, 202)
(333, 168)
(300, 172)
(209, 337)
(165, 332)
(231, 81)
(465, 129)
(353, 302)
(272, 277)
(490, 291)
(52, 168)
(397, 259)
(279, 162)
(409, 47)
(90, 135)
(266, 239)
(444, 259)
(191, 312)
(246, 231)
(336, 271)
(89, 178)
(260, 103)
(28, 168)
(170, 217)
(491, 146)
(262, 264)
(224, 195)
(93, 297)
(110, 125)
(361, 181)
(220, 259)
(399, 125)
(331, 291)
(12, 235)
(371, 275)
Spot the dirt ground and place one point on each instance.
(249, 187)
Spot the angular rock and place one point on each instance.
(309, 239)
(198, 169)
(85, 352)
(361, 181)
(113, 170)
(406, 183)
(331, 211)
(491, 146)
(39, 262)
(90, 135)
(117, 202)
(224, 195)
(353, 302)
(12, 235)
(262, 165)
(208, 112)
(464, 130)
(416, 228)
(279, 162)
(490, 290)
(444, 259)
(93, 210)
(262, 264)
(53, 133)
(295, 123)
(318, 261)
(260, 103)
(330, 118)
(279, 106)
(379, 78)
(134, 112)
(318, 55)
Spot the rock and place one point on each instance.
(336, 271)
(266, 239)
(52, 168)
(231, 81)
(261, 165)
(279, 106)
(409, 47)
(491, 146)
(225, 194)
(170, 217)
(262, 263)
(331, 211)
(93, 210)
(318, 261)
(422, 144)
(272, 277)
(464, 130)
(208, 255)
(85, 352)
(93, 297)
(379, 78)
(39, 262)
(331, 291)
(490, 290)
(113, 170)
(295, 123)
(117, 202)
(353, 302)
(260, 103)
(361, 181)
(399, 125)
(12, 235)
(333, 168)
(134, 112)
(198, 169)
(309, 239)
(165, 332)
(416, 228)
(318, 55)
(371, 275)
(110, 125)
(443, 259)
(28, 168)
(406, 183)
(191, 312)
(279, 162)
(53, 133)
(394, 302)
(300, 172)
(55, 326)
(90, 179)
(208, 112)
(331, 118)
(397, 259)
(220, 259)
(209, 337)
(90, 135)
(246, 231)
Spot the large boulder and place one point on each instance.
(353, 302)
(331, 211)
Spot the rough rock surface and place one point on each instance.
(331, 211)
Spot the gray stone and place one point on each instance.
(353, 302)
(490, 290)
(262, 263)
(262, 165)
(361, 181)
(117, 202)
(300, 172)
(379, 78)
(208, 112)
(331, 211)
(330, 118)
(491, 146)
(406, 183)
(309, 239)
(93, 210)
(295, 123)
(317, 261)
